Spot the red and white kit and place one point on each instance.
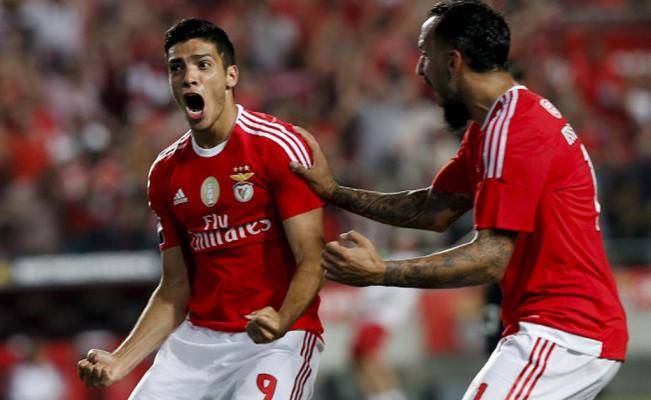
(225, 207)
(530, 173)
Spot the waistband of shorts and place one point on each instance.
(206, 335)
(570, 341)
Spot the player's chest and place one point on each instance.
(206, 189)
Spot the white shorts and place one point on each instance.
(534, 364)
(196, 363)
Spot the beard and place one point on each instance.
(456, 115)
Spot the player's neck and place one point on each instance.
(483, 90)
(220, 130)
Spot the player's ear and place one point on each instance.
(232, 76)
(455, 61)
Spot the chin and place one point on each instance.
(200, 125)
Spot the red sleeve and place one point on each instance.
(169, 232)
(514, 178)
(456, 175)
(292, 195)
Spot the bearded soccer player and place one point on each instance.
(532, 185)
(241, 238)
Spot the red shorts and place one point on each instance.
(369, 339)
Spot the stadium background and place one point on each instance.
(85, 108)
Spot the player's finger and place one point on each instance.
(356, 237)
(309, 138)
(266, 323)
(332, 275)
(330, 259)
(257, 333)
(335, 249)
(88, 378)
(82, 368)
(298, 168)
(263, 311)
(104, 379)
(96, 374)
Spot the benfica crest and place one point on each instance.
(243, 190)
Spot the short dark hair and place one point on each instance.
(478, 31)
(194, 28)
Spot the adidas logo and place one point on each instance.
(179, 197)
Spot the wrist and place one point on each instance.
(285, 320)
(332, 190)
(122, 361)
(389, 273)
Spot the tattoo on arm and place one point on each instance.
(483, 260)
(420, 209)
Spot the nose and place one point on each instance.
(190, 79)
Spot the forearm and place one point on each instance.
(163, 313)
(399, 209)
(475, 263)
(303, 288)
(418, 209)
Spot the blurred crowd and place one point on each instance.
(85, 105)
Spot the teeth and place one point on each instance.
(193, 114)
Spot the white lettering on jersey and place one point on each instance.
(214, 221)
(218, 237)
(569, 134)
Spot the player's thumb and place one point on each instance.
(356, 237)
(95, 356)
(297, 168)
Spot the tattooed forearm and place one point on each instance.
(483, 260)
(420, 209)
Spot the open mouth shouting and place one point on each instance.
(193, 105)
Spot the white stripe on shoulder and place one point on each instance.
(272, 137)
(505, 134)
(167, 151)
(487, 141)
(293, 139)
(170, 149)
(491, 136)
(272, 131)
(496, 135)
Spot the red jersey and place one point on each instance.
(225, 206)
(530, 173)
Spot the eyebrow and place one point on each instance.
(192, 57)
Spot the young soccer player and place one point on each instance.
(240, 235)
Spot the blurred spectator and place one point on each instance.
(86, 107)
(34, 377)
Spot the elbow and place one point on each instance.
(439, 225)
(175, 293)
(495, 273)
(440, 228)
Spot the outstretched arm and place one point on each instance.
(419, 209)
(482, 260)
(166, 309)
(424, 208)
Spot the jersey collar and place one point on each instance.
(213, 151)
(500, 100)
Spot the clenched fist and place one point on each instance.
(100, 369)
